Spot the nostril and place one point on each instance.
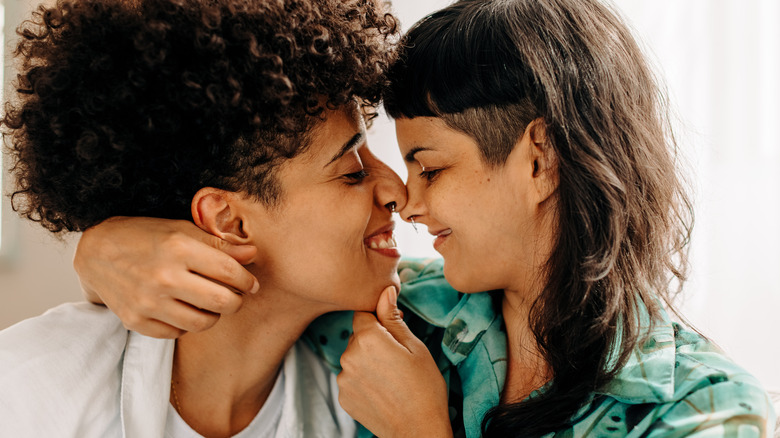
(391, 206)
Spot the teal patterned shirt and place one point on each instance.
(676, 383)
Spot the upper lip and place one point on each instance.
(436, 233)
(384, 229)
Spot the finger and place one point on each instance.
(392, 319)
(243, 254)
(204, 294)
(184, 317)
(216, 265)
(156, 329)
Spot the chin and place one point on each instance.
(462, 282)
(395, 281)
(370, 305)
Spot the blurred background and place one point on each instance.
(721, 64)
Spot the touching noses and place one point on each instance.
(389, 191)
(414, 208)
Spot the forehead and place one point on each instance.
(424, 131)
(335, 130)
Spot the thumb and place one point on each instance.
(391, 317)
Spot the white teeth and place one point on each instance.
(380, 243)
(445, 233)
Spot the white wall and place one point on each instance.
(722, 61)
(722, 64)
(35, 268)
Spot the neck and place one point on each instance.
(527, 369)
(223, 376)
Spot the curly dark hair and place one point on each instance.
(130, 107)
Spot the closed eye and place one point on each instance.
(356, 177)
(430, 174)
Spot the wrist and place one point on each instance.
(434, 426)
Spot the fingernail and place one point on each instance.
(255, 287)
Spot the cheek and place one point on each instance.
(451, 205)
(485, 231)
(337, 231)
(321, 231)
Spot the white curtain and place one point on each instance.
(721, 63)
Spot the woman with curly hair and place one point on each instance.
(245, 118)
(540, 156)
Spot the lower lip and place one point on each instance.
(388, 252)
(439, 241)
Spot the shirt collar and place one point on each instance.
(146, 385)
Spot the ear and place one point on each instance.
(542, 160)
(218, 213)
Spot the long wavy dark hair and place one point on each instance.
(623, 217)
(128, 107)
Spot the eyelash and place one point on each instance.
(357, 177)
(430, 175)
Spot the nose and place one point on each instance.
(389, 190)
(415, 207)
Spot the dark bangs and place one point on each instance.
(451, 61)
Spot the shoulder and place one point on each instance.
(60, 337)
(714, 395)
(57, 365)
(678, 383)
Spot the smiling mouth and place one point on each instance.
(444, 233)
(441, 236)
(384, 240)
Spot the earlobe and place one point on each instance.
(217, 212)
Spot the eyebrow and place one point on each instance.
(409, 157)
(351, 143)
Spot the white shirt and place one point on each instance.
(75, 371)
(264, 425)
